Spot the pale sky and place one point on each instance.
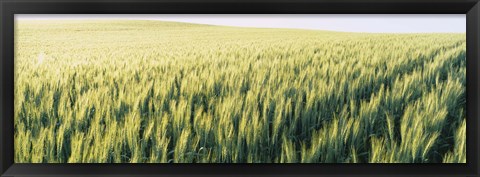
(377, 23)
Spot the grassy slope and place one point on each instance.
(149, 91)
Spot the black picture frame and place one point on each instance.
(10, 7)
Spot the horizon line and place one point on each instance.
(362, 23)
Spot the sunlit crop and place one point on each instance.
(156, 92)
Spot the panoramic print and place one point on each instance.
(240, 88)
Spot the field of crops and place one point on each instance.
(166, 92)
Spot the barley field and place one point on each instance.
(139, 91)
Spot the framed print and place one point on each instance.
(239, 88)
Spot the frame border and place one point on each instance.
(10, 7)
